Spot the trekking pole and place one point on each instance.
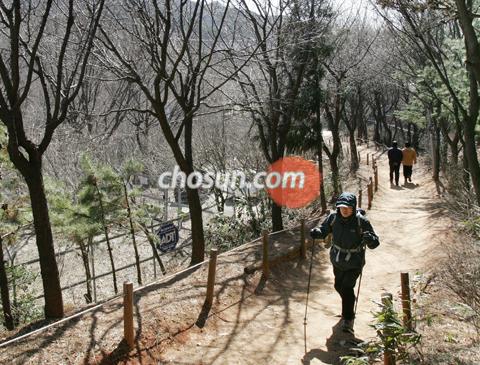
(308, 292)
(358, 290)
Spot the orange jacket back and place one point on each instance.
(409, 156)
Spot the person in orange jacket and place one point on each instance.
(409, 159)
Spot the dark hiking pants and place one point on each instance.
(394, 168)
(344, 285)
(407, 171)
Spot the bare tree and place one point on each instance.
(354, 115)
(286, 35)
(173, 52)
(46, 47)
(422, 21)
(350, 50)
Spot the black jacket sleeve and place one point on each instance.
(369, 237)
(323, 229)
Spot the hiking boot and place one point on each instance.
(347, 325)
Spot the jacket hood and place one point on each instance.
(347, 199)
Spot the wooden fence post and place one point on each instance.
(370, 193)
(359, 157)
(371, 187)
(128, 330)
(368, 159)
(303, 246)
(265, 264)
(376, 177)
(388, 357)
(407, 309)
(360, 198)
(212, 267)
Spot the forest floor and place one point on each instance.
(254, 321)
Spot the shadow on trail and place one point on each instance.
(411, 186)
(286, 284)
(396, 187)
(338, 344)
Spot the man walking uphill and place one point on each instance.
(395, 157)
(351, 232)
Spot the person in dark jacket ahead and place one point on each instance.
(351, 232)
(395, 157)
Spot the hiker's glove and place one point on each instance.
(316, 233)
(370, 240)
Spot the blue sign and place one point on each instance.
(168, 235)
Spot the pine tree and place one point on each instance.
(101, 194)
(71, 219)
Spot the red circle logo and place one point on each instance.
(293, 182)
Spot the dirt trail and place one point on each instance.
(268, 328)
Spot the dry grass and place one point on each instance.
(448, 336)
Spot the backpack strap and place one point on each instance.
(359, 223)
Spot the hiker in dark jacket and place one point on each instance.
(395, 157)
(351, 232)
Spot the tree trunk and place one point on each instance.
(450, 142)
(86, 267)
(399, 127)
(443, 154)
(472, 47)
(354, 164)
(376, 135)
(333, 124)
(195, 208)
(323, 200)
(151, 241)
(466, 174)
(416, 137)
(52, 291)
(336, 184)
(362, 129)
(107, 238)
(219, 200)
(277, 222)
(435, 145)
(471, 155)
(454, 154)
(387, 133)
(7, 310)
(132, 233)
